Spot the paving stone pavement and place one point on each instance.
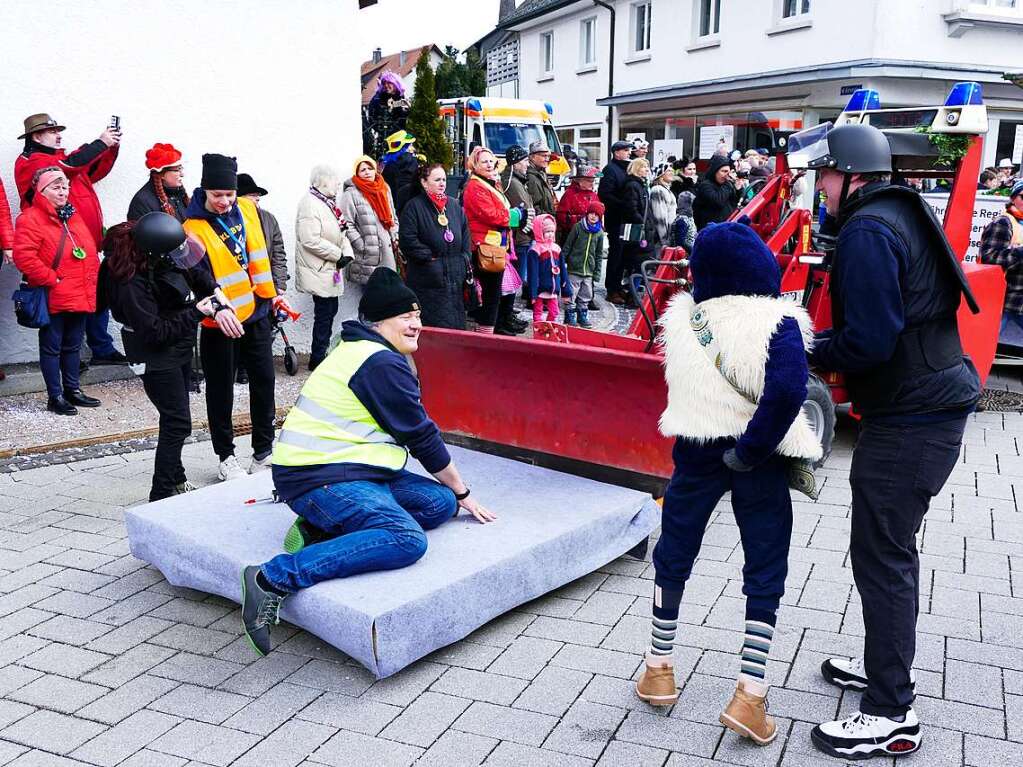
(102, 662)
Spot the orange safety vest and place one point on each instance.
(239, 284)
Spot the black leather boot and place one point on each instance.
(80, 398)
(61, 406)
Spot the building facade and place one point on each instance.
(689, 74)
(273, 83)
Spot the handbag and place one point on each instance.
(800, 470)
(31, 308)
(491, 258)
(471, 296)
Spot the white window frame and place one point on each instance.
(1015, 8)
(799, 20)
(801, 8)
(644, 8)
(546, 39)
(588, 54)
(713, 18)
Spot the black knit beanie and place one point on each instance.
(385, 295)
(219, 172)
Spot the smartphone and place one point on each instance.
(115, 122)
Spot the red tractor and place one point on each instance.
(589, 402)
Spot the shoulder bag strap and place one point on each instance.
(60, 248)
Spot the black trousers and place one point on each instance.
(168, 391)
(490, 285)
(896, 470)
(220, 358)
(615, 267)
(324, 311)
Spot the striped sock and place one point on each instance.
(665, 621)
(756, 646)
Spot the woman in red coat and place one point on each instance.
(491, 219)
(54, 248)
(576, 201)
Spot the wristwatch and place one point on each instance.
(462, 496)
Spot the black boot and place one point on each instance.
(61, 406)
(80, 398)
(260, 610)
(241, 376)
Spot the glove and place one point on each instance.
(732, 461)
(514, 218)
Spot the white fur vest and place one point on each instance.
(702, 404)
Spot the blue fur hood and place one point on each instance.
(730, 259)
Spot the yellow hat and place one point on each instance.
(399, 140)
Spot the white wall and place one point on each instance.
(274, 82)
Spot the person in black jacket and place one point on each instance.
(400, 167)
(164, 192)
(154, 286)
(610, 193)
(896, 288)
(635, 211)
(434, 237)
(717, 194)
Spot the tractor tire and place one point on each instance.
(290, 360)
(819, 409)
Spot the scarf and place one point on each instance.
(65, 212)
(390, 157)
(376, 193)
(440, 201)
(591, 228)
(543, 244)
(341, 221)
(1013, 211)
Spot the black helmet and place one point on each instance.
(160, 236)
(514, 154)
(854, 148)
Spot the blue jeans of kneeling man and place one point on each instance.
(379, 526)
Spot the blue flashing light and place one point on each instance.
(863, 99)
(549, 108)
(964, 94)
(474, 105)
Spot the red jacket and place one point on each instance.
(85, 166)
(572, 208)
(484, 210)
(36, 237)
(6, 227)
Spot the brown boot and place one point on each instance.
(746, 714)
(657, 684)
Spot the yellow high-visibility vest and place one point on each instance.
(239, 284)
(328, 423)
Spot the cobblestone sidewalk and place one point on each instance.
(102, 662)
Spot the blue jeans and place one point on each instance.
(379, 526)
(97, 335)
(60, 345)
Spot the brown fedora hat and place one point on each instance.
(41, 121)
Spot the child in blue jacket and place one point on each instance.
(548, 275)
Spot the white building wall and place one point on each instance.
(275, 83)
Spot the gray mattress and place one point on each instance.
(552, 529)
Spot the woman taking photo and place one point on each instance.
(321, 252)
(164, 192)
(373, 225)
(435, 243)
(491, 219)
(54, 249)
(150, 282)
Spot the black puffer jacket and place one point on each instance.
(714, 202)
(400, 175)
(436, 269)
(610, 193)
(635, 200)
(145, 201)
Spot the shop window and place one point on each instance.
(641, 21)
(710, 17)
(1010, 141)
(588, 43)
(547, 53)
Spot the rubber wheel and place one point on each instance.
(819, 409)
(290, 360)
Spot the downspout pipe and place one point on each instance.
(610, 76)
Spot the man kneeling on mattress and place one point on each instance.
(339, 462)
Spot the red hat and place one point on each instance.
(596, 207)
(162, 156)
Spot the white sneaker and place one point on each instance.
(260, 465)
(862, 736)
(230, 469)
(850, 674)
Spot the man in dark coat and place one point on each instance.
(401, 167)
(612, 182)
(717, 195)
